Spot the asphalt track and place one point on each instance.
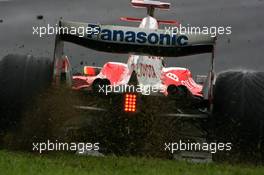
(242, 49)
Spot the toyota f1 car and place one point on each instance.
(145, 72)
(146, 46)
(233, 98)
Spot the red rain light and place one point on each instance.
(130, 103)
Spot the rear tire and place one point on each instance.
(100, 85)
(21, 77)
(238, 112)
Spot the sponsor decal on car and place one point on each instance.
(137, 37)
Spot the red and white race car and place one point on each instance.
(146, 45)
(233, 99)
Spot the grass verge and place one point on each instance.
(15, 163)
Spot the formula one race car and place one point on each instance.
(146, 45)
(144, 75)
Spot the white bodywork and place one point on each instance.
(147, 68)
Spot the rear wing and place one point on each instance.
(133, 40)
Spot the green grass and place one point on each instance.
(13, 163)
